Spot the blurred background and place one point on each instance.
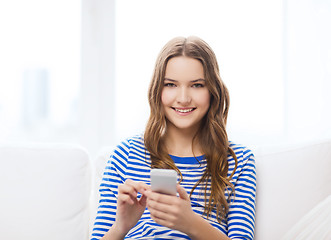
(78, 71)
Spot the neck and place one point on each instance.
(180, 143)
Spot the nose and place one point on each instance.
(183, 96)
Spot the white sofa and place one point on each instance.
(292, 180)
(49, 191)
(44, 192)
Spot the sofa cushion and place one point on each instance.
(44, 192)
(291, 181)
(316, 224)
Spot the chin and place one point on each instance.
(186, 127)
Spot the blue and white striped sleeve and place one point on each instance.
(241, 215)
(113, 175)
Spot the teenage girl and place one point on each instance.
(186, 131)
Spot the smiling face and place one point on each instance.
(185, 97)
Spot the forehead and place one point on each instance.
(184, 68)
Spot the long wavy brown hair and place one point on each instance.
(211, 135)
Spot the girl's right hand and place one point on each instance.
(129, 207)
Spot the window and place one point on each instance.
(40, 70)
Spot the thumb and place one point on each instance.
(182, 192)
(143, 200)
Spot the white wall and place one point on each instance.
(307, 63)
(98, 75)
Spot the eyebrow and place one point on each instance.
(193, 81)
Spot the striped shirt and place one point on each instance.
(131, 160)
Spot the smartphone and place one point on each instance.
(164, 181)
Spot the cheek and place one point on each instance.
(163, 98)
(205, 99)
(166, 97)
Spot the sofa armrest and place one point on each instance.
(290, 182)
(44, 192)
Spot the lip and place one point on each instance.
(184, 111)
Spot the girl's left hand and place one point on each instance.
(171, 211)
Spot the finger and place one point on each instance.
(182, 193)
(142, 187)
(168, 208)
(143, 200)
(162, 220)
(159, 213)
(138, 186)
(127, 189)
(126, 199)
(160, 197)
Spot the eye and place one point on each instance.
(169, 85)
(198, 85)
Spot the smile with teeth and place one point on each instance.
(184, 110)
